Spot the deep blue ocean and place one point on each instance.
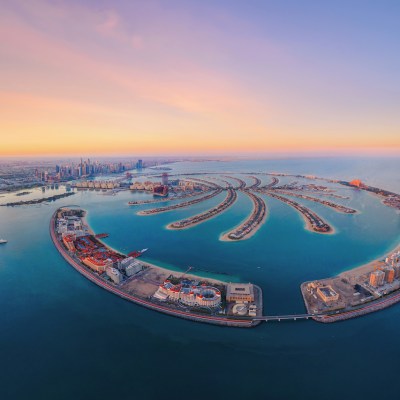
(62, 337)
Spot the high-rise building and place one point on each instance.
(139, 164)
(389, 275)
(377, 278)
(165, 178)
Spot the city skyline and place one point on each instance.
(174, 78)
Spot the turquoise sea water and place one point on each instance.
(62, 337)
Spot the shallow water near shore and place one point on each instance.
(63, 337)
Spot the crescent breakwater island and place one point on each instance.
(178, 294)
(362, 290)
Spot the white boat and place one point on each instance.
(3, 241)
(143, 251)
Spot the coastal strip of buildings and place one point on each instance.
(355, 292)
(186, 297)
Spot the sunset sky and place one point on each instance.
(199, 77)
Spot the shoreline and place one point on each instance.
(224, 236)
(332, 207)
(308, 225)
(310, 228)
(168, 272)
(155, 211)
(376, 304)
(172, 228)
(369, 264)
(113, 288)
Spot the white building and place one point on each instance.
(130, 261)
(114, 274)
(203, 296)
(133, 269)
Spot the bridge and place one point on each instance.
(293, 317)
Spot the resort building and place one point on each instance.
(68, 240)
(114, 274)
(327, 294)
(133, 269)
(130, 266)
(191, 295)
(97, 265)
(240, 292)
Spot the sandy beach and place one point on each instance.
(158, 273)
(224, 237)
(179, 205)
(366, 268)
(164, 273)
(309, 227)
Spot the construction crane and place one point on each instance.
(190, 268)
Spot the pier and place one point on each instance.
(293, 317)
